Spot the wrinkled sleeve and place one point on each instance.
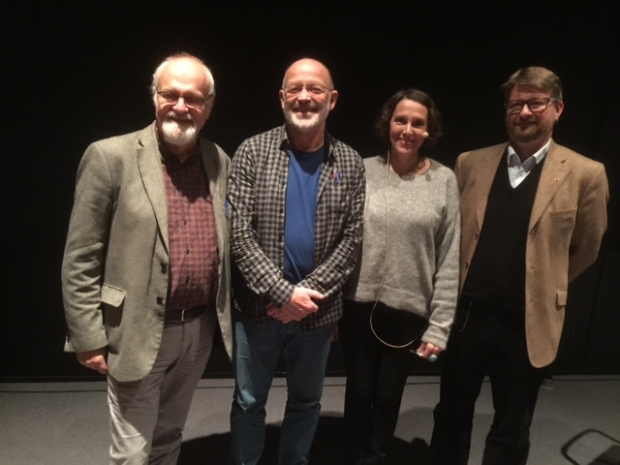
(259, 272)
(329, 276)
(83, 262)
(446, 279)
(591, 223)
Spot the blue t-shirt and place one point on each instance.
(304, 170)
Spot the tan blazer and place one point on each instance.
(568, 219)
(116, 262)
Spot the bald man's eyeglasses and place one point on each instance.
(190, 101)
(314, 90)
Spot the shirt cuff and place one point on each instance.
(281, 292)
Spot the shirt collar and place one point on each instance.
(327, 146)
(513, 159)
(168, 157)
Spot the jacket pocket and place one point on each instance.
(562, 223)
(561, 296)
(563, 214)
(112, 295)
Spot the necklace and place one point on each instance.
(374, 319)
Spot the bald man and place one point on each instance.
(146, 270)
(296, 196)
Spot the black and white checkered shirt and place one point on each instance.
(257, 197)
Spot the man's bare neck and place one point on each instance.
(306, 141)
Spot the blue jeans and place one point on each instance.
(257, 349)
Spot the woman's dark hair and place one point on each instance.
(382, 123)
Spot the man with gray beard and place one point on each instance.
(146, 271)
(296, 196)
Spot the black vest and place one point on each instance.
(496, 276)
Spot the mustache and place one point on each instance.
(179, 116)
(305, 106)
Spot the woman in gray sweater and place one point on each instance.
(404, 289)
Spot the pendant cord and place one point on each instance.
(387, 243)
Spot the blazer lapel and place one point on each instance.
(150, 166)
(553, 174)
(211, 164)
(484, 179)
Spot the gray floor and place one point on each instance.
(578, 422)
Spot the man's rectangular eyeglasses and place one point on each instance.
(536, 105)
(191, 101)
(314, 90)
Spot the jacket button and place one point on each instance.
(164, 268)
(160, 300)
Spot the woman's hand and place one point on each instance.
(429, 351)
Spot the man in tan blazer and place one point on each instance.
(533, 216)
(146, 267)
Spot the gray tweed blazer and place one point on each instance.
(116, 263)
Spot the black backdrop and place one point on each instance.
(72, 75)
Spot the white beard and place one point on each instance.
(176, 134)
(310, 122)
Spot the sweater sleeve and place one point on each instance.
(446, 278)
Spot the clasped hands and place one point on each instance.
(300, 305)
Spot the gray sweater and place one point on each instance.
(410, 250)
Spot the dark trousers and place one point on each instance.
(485, 343)
(376, 377)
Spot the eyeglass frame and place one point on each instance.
(296, 90)
(201, 101)
(522, 103)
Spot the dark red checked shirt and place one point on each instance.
(191, 229)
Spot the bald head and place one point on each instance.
(307, 96)
(308, 67)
